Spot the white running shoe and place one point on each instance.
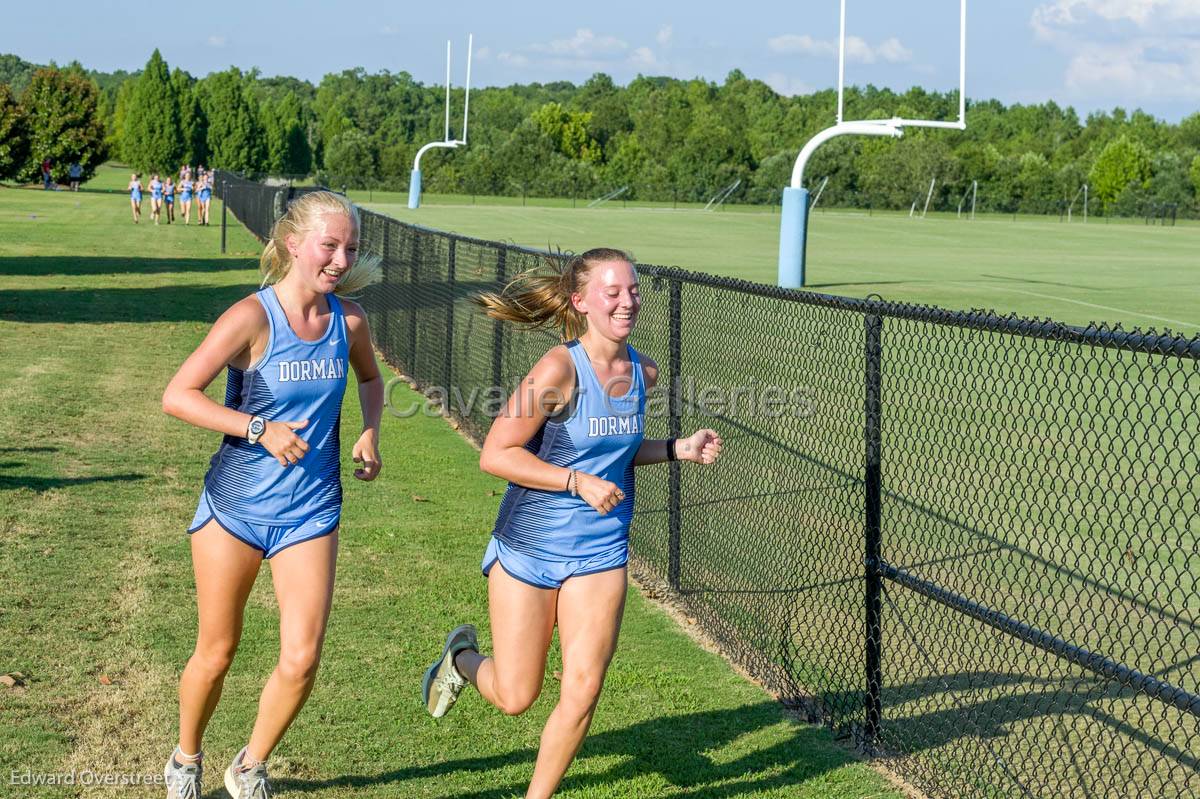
(251, 783)
(443, 682)
(183, 779)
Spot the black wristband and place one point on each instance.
(671, 456)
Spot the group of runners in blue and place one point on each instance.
(162, 195)
(567, 442)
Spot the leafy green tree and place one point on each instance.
(63, 123)
(14, 137)
(1194, 174)
(350, 159)
(115, 129)
(1123, 161)
(151, 138)
(1171, 183)
(235, 137)
(569, 131)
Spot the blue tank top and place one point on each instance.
(156, 188)
(293, 380)
(596, 434)
(186, 187)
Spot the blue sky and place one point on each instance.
(1091, 54)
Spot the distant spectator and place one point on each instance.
(46, 174)
(75, 172)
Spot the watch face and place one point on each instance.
(257, 427)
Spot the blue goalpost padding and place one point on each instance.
(414, 189)
(793, 232)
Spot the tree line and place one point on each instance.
(662, 138)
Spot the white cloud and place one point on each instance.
(787, 85)
(643, 58)
(515, 59)
(663, 37)
(584, 44)
(891, 50)
(216, 41)
(483, 53)
(587, 50)
(1147, 48)
(805, 44)
(1051, 17)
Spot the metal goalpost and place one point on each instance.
(414, 181)
(793, 226)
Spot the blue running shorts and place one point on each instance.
(268, 539)
(550, 574)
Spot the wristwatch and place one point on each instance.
(258, 426)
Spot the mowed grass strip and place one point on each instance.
(96, 601)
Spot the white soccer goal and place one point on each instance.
(793, 227)
(414, 183)
(972, 190)
(612, 195)
(721, 196)
(1084, 191)
(820, 191)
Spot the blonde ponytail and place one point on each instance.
(540, 298)
(299, 219)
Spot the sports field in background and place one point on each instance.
(1116, 271)
(96, 605)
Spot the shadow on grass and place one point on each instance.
(40, 483)
(100, 306)
(13, 482)
(36, 266)
(671, 747)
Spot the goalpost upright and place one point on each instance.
(793, 226)
(414, 181)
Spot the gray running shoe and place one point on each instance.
(251, 783)
(183, 779)
(443, 683)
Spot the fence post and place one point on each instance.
(413, 266)
(498, 332)
(448, 360)
(674, 511)
(224, 212)
(872, 532)
(385, 321)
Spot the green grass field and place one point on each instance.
(1116, 271)
(96, 605)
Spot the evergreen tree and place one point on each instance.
(283, 121)
(235, 136)
(193, 124)
(151, 139)
(63, 123)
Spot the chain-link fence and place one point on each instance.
(967, 542)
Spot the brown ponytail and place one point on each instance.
(540, 298)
